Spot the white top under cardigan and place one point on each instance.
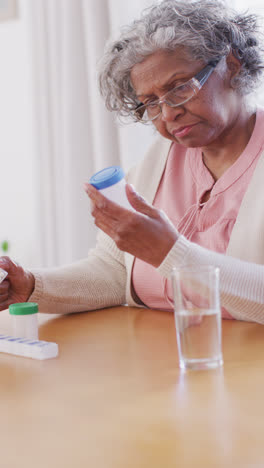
(104, 278)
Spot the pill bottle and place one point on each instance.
(111, 183)
(24, 320)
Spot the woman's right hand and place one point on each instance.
(17, 286)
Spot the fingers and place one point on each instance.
(106, 224)
(8, 265)
(103, 204)
(4, 305)
(4, 298)
(123, 225)
(4, 286)
(18, 285)
(139, 203)
(113, 209)
(4, 294)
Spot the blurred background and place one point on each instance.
(54, 130)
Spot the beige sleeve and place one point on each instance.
(92, 283)
(241, 283)
(99, 280)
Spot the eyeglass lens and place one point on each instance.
(173, 98)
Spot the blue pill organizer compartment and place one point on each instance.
(107, 177)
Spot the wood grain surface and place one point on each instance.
(116, 398)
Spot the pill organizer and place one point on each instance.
(34, 349)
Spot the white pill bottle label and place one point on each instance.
(111, 183)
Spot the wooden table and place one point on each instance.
(115, 397)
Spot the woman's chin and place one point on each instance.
(190, 142)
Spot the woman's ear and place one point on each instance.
(233, 66)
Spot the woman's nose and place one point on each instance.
(169, 113)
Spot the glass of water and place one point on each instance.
(197, 316)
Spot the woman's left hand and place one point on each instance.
(146, 233)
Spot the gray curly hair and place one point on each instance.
(207, 29)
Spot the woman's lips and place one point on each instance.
(183, 131)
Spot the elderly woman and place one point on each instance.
(187, 69)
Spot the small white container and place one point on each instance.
(24, 320)
(111, 183)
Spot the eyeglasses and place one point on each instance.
(175, 97)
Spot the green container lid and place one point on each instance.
(23, 308)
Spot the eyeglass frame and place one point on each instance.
(196, 83)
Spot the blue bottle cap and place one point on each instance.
(107, 177)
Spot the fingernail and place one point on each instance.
(86, 187)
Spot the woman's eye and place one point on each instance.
(151, 103)
(180, 89)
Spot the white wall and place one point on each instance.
(18, 220)
(122, 13)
